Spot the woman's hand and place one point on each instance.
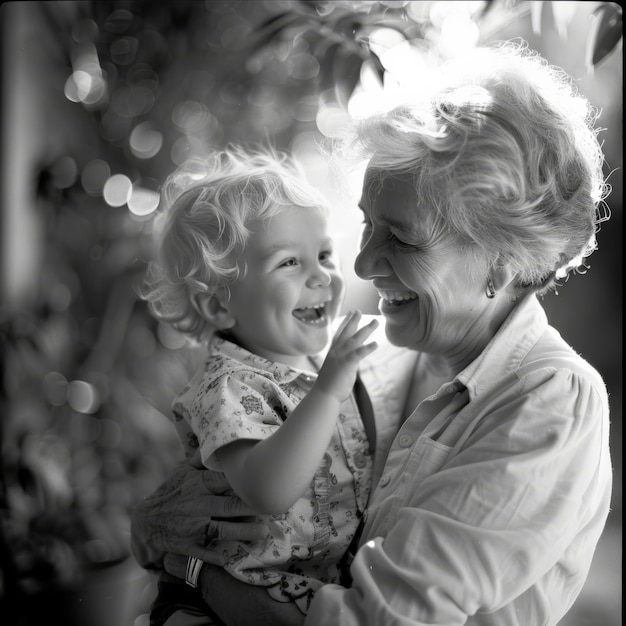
(183, 517)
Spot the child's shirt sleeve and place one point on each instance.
(238, 405)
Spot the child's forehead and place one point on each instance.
(281, 211)
(291, 225)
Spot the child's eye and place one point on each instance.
(326, 256)
(288, 263)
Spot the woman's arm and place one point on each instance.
(270, 475)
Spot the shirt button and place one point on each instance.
(384, 481)
(405, 441)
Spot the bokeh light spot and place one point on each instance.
(124, 50)
(331, 119)
(82, 86)
(55, 388)
(83, 397)
(117, 190)
(191, 116)
(185, 148)
(145, 141)
(71, 89)
(306, 110)
(118, 21)
(94, 175)
(143, 201)
(64, 172)
(303, 66)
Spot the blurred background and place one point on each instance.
(99, 102)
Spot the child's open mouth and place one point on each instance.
(315, 314)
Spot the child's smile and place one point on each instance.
(315, 314)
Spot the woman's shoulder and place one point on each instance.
(552, 352)
(553, 371)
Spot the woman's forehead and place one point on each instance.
(398, 187)
(392, 199)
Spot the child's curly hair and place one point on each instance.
(202, 230)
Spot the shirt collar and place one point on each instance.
(239, 358)
(507, 349)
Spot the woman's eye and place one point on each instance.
(402, 245)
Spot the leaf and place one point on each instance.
(563, 13)
(536, 9)
(378, 66)
(347, 71)
(347, 25)
(271, 29)
(327, 65)
(408, 28)
(604, 33)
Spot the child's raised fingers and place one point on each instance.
(349, 323)
(363, 351)
(363, 333)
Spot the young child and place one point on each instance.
(247, 265)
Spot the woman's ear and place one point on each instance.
(215, 310)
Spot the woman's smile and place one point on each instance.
(396, 297)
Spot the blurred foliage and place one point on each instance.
(88, 374)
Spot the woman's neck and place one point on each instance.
(474, 341)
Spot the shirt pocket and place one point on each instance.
(429, 456)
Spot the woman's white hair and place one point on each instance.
(503, 148)
(207, 208)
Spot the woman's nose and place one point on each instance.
(369, 263)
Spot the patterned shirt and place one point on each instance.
(239, 395)
(490, 497)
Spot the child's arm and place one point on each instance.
(270, 475)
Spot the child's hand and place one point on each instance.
(338, 372)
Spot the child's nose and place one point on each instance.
(320, 277)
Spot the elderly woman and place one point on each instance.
(492, 474)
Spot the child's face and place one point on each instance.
(293, 288)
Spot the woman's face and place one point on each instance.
(430, 298)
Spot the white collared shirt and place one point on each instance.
(489, 505)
